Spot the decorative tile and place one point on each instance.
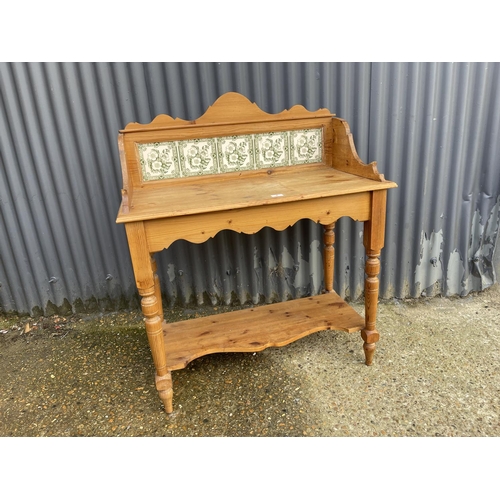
(271, 149)
(158, 161)
(235, 153)
(170, 160)
(306, 146)
(198, 157)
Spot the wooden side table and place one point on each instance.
(242, 169)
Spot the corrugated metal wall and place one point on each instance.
(432, 127)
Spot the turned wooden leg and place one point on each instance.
(154, 331)
(165, 391)
(373, 240)
(157, 287)
(163, 382)
(149, 288)
(370, 334)
(328, 256)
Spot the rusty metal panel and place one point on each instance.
(434, 130)
(432, 127)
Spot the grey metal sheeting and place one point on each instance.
(432, 127)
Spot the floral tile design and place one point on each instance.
(198, 157)
(159, 161)
(272, 149)
(306, 146)
(174, 159)
(235, 153)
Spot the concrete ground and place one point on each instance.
(436, 373)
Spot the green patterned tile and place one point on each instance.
(235, 153)
(170, 160)
(158, 161)
(198, 157)
(271, 150)
(306, 146)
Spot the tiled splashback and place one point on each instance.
(174, 159)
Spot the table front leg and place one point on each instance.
(148, 286)
(163, 378)
(373, 240)
(370, 333)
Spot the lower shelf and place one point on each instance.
(255, 329)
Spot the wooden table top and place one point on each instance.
(227, 192)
